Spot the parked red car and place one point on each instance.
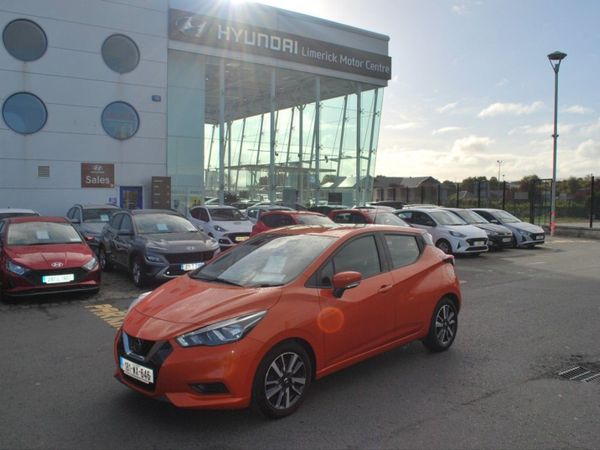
(263, 320)
(40, 255)
(278, 219)
(380, 216)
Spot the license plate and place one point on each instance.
(506, 239)
(136, 371)
(241, 238)
(192, 266)
(51, 279)
(539, 237)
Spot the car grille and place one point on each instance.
(35, 276)
(186, 258)
(477, 242)
(151, 355)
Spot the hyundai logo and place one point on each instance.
(190, 26)
(56, 265)
(191, 249)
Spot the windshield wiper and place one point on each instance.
(199, 276)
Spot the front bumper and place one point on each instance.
(530, 239)
(500, 241)
(469, 245)
(228, 240)
(172, 265)
(219, 377)
(31, 283)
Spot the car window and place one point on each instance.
(486, 215)
(342, 218)
(310, 219)
(287, 220)
(406, 216)
(97, 214)
(159, 223)
(71, 213)
(252, 213)
(226, 214)
(420, 218)
(271, 220)
(358, 218)
(126, 225)
(389, 219)
(404, 250)
(447, 218)
(115, 221)
(203, 215)
(359, 255)
(41, 233)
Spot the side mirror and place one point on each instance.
(496, 221)
(345, 280)
(76, 221)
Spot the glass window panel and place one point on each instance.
(25, 40)
(120, 120)
(24, 113)
(120, 53)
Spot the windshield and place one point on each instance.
(41, 233)
(505, 217)
(162, 223)
(446, 218)
(470, 217)
(270, 260)
(16, 214)
(97, 214)
(389, 219)
(226, 214)
(310, 219)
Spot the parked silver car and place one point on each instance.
(525, 234)
(499, 236)
(450, 233)
(225, 223)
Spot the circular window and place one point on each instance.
(25, 40)
(120, 53)
(120, 120)
(24, 113)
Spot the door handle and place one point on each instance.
(385, 288)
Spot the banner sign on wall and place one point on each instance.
(94, 175)
(214, 32)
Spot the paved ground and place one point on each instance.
(527, 314)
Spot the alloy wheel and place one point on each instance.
(285, 380)
(445, 325)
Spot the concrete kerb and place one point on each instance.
(574, 231)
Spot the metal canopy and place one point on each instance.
(248, 89)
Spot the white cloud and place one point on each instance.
(446, 108)
(471, 145)
(460, 8)
(502, 82)
(577, 109)
(547, 128)
(517, 109)
(589, 149)
(402, 126)
(445, 130)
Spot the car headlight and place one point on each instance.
(224, 332)
(15, 268)
(139, 298)
(152, 257)
(457, 234)
(219, 228)
(90, 264)
(491, 233)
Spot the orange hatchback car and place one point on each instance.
(258, 324)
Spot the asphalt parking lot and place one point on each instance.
(527, 315)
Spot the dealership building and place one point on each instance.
(162, 103)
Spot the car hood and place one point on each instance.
(185, 304)
(92, 227)
(525, 226)
(42, 257)
(180, 242)
(470, 231)
(237, 226)
(493, 227)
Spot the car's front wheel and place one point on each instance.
(104, 260)
(444, 246)
(282, 380)
(138, 272)
(443, 327)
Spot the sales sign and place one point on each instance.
(94, 175)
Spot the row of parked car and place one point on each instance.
(43, 255)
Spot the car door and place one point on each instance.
(406, 270)
(122, 241)
(364, 317)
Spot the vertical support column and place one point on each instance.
(371, 139)
(229, 139)
(337, 173)
(318, 139)
(357, 188)
(592, 202)
(212, 140)
(222, 132)
(457, 193)
(479, 194)
(300, 144)
(272, 141)
(287, 155)
(239, 162)
(504, 195)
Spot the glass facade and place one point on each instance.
(24, 113)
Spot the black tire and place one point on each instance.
(443, 326)
(138, 272)
(444, 246)
(104, 260)
(277, 369)
(514, 242)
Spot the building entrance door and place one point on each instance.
(131, 197)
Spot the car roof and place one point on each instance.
(212, 206)
(153, 211)
(339, 231)
(17, 210)
(98, 206)
(26, 219)
(293, 212)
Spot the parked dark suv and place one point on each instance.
(89, 220)
(154, 244)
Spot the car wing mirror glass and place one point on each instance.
(345, 280)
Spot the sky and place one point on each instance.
(472, 85)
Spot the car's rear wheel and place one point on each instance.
(138, 272)
(104, 260)
(282, 380)
(443, 327)
(444, 246)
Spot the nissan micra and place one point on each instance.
(257, 325)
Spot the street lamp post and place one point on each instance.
(555, 60)
(499, 161)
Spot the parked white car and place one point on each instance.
(450, 233)
(225, 223)
(525, 234)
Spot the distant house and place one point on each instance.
(406, 189)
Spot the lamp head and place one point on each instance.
(555, 59)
